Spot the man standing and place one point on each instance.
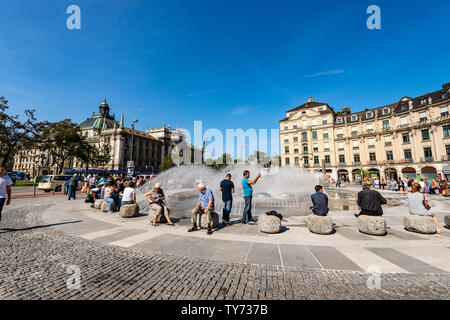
(205, 205)
(248, 194)
(73, 185)
(370, 202)
(5, 189)
(320, 202)
(227, 188)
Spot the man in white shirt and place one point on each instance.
(5, 189)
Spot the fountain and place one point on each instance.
(284, 189)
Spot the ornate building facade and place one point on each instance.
(145, 149)
(409, 138)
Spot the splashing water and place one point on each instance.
(279, 187)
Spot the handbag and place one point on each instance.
(427, 206)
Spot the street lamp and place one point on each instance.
(203, 149)
(132, 138)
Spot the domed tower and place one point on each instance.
(104, 108)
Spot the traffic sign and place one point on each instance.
(130, 172)
(130, 164)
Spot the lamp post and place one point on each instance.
(203, 149)
(132, 138)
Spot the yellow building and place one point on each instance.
(408, 138)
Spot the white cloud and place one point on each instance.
(200, 93)
(241, 110)
(325, 73)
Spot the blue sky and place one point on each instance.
(231, 64)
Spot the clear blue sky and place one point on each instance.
(231, 64)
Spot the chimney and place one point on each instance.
(121, 120)
(310, 99)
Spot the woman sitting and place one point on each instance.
(418, 202)
(156, 197)
(129, 194)
(108, 196)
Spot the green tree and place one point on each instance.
(61, 140)
(14, 133)
(90, 155)
(260, 157)
(167, 162)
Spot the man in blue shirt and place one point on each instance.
(227, 188)
(248, 193)
(205, 205)
(320, 202)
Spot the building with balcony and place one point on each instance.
(409, 138)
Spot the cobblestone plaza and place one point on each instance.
(128, 259)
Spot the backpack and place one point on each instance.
(72, 183)
(274, 213)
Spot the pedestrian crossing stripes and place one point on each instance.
(422, 259)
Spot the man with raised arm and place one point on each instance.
(248, 194)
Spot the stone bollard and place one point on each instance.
(98, 204)
(160, 219)
(214, 220)
(447, 220)
(269, 223)
(105, 206)
(373, 225)
(420, 224)
(129, 210)
(320, 224)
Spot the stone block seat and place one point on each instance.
(98, 203)
(129, 210)
(447, 220)
(269, 223)
(105, 206)
(160, 219)
(320, 225)
(420, 224)
(214, 220)
(372, 225)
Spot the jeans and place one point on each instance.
(247, 208)
(72, 192)
(111, 203)
(2, 202)
(226, 211)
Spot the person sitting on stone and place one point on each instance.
(108, 196)
(320, 202)
(370, 202)
(205, 205)
(129, 194)
(418, 204)
(156, 198)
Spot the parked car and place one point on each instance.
(53, 182)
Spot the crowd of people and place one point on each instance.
(118, 192)
(371, 201)
(428, 186)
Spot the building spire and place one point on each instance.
(121, 120)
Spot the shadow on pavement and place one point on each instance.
(5, 230)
